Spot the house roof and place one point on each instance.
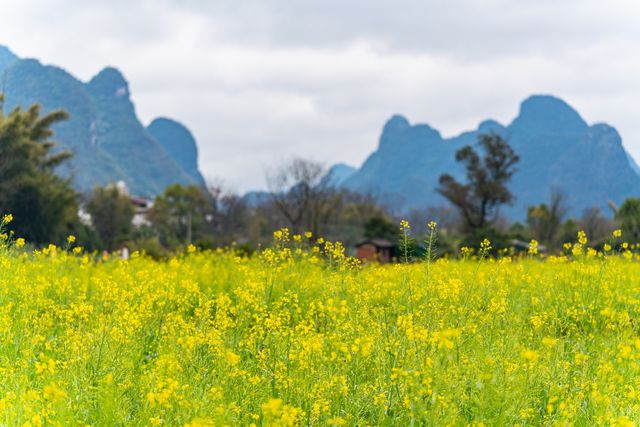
(380, 243)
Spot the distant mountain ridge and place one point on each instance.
(108, 140)
(557, 149)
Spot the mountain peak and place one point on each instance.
(339, 173)
(557, 149)
(396, 123)
(110, 82)
(177, 140)
(6, 57)
(399, 128)
(489, 126)
(548, 113)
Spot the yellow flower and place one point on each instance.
(432, 225)
(191, 248)
(582, 237)
(232, 358)
(617, 233)
(20, 242)
(7, 218)
(200, 422)
(272, 407)
(53, 393)
(404, 225)
(71, 239)
(308, 234)
(530, 355)
(533, 247)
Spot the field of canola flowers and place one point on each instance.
(302, 335)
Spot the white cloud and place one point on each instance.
(259, 80)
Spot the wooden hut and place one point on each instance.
(380, 250)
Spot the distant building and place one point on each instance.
(142, 207)
(379, 250)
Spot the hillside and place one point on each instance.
(108, 140)
(178, 141)
(557, 148)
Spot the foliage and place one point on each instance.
(43, 203)
(379, 227)
(486, 189)
(301, 335)
(500, 242)
(111, 215)
(545, 221)
(628, 215)
(181, 214)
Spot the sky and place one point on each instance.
(262, 81)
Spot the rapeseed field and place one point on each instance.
(300, 334)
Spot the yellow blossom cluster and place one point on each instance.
(302, 334)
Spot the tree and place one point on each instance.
(304, 197)
(479, 200)
(229, 214)
(111, 213)
(42, 203)
(595, 225)
(381, 228)
(181, 215)
(545, 221)
(628, 216)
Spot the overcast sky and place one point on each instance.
(261, 81)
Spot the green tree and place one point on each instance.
(479, 200)
(111, 213)
(42, 203)
(628, 216)
(379, 227)
(181, 215)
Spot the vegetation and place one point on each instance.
(180, 213)
(302, 197)
(465, 331)
(303, 335)
(479, 200)
(43, 203)
(629, 217)
(111, 213)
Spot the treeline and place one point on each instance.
(46, 209)
(212, 217)
(301, 196)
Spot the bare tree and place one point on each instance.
(302, 194)
(595, 225)
(229, 213)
